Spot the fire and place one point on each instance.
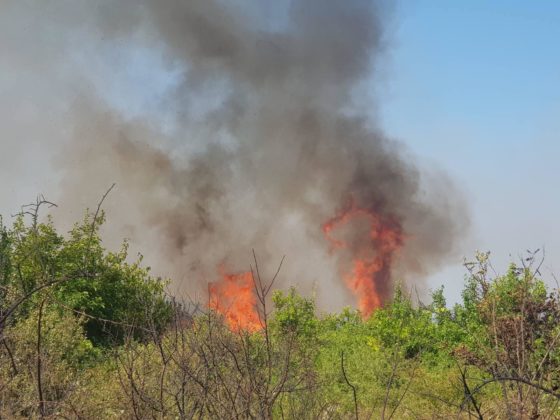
(234, 297)
(372, 257)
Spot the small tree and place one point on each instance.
(515, 331)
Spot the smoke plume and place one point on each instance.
(227, 126)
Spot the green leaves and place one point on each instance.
(294, 314)
(112, 293)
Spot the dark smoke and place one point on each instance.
(255, 140)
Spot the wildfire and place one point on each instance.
(372, 257)
(234, 297)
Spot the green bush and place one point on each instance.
(112, 294)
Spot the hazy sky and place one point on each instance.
(471, 87)
(474, 87)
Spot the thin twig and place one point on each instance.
(353, 387)
(96, 215)
(39, 360)
(503, 379)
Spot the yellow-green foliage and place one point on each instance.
(86, 334)
(63, 353)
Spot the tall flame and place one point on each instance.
(372, 258)
(234, 297)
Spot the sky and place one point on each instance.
(474, 88)
(471, 88)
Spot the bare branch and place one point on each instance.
(96, 215)
(354, 394)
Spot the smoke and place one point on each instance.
(227, 126)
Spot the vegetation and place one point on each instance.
(85, 333)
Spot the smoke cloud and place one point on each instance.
(227, 126)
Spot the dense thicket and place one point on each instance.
(85, 333)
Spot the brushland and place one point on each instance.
(88, 333)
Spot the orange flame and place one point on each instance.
(370, 277)
(234, 297)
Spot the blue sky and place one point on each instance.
(474, 87)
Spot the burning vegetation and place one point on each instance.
(373, 250)
(234, 297)
(372, 256)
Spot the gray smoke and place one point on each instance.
(227, 126)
